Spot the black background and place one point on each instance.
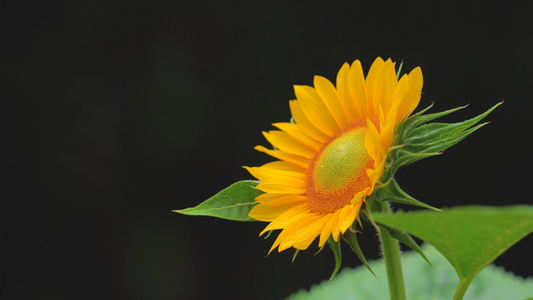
(113, 113)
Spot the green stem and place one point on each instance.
(461, 289)
(391, 254)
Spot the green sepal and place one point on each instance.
(407, 240)
(420, 118)
(399, 72)
(295, 253)
(372, 205)
(419, 140)
(406, 158)
(441, 133)
(351, 238)
(268, 234)
(437, 137)
(393, 193)
(232, 203)
(438, 146)
(336, 248)
(438, 131)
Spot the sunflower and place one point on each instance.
(332, 154)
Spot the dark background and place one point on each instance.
(114, 113)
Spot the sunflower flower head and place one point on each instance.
(333, 155)
(336, 161)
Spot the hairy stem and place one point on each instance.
(391, 254)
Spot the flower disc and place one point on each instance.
(338, 170)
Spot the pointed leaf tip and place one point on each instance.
(336, 248)
(295, 253)
(232, 203)
(407, 240)
(351, 238)
(393, 193)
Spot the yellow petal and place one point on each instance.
(275, 178)
(315, 110)
(372, 142)
(346, 101)
(328, 94)
(294, 131)
(268, 173)
(295, 159)
(325, 232)
(307, 233)
(265, 197)
(387, 134)
(359, 197)
(284, 142)
(305, 124)
(347, 218)
(282, 188)
(334, 225)
(357, 89)
(398, 99)
(375, 174)
(270, 210)
(388, 84)
(382, 85)
(294, 232)
(412, 96)
(283, 166)
(287, 217)
(371, 81)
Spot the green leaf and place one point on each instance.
(232, 203)
(470, 237)
(336, 248)
(422, 282)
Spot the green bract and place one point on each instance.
(416, 139)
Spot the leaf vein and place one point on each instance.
(225, 207)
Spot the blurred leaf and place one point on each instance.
(470, 237)
(422, 282)
(232, 203)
